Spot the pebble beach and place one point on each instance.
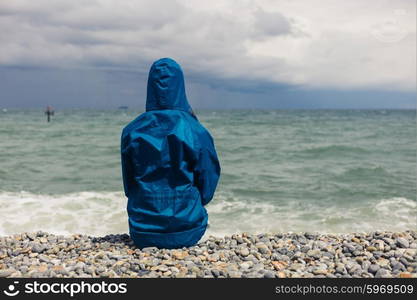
(377, 254)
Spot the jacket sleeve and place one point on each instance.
(126, 165)
(207, 172)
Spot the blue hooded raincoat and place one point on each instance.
(169, 164)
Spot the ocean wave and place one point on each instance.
(93, 213)
(364, 173)
(101, 213)
(398, 208)
(229, 215)
(332, 150)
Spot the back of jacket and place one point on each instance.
(169, 164)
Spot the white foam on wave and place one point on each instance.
(85, 212)
(228, 216)
(101, 213)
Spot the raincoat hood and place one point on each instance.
(166, 89)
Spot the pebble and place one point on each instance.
(269, 274)
(373, 268)
(264, 250)
(37, 248)
(402, 242)
(246, 265)
(244, 252)
(380, 254)
(320, 271)
(398, 266)
(314, 253)
(6, 273)
(382, 273)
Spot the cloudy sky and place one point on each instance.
(234, 53)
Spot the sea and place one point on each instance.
(326, 171)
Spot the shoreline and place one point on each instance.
(379, 254)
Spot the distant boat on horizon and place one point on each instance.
(123, 107)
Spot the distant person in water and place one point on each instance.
(49, 112)
(169, 164)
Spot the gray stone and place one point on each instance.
(365, 265)
(246, 265)
(404, 261)
(149, 249)
(397, 266)
(373, 268)
(235, 274)
(388, 240)
(162, 268)
(398, 253)
(382, 273)
(402, 242)
(215, 272)
(262, 248)
(38, 248)
(316, 253)
(43, 258)
(305, 248)
(408, 257)
(244, 252)
(328, 254)
(350, 247)
(6, 273)
(269, 274)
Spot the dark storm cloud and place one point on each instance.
(231, 49)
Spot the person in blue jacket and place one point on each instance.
(169, 165)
